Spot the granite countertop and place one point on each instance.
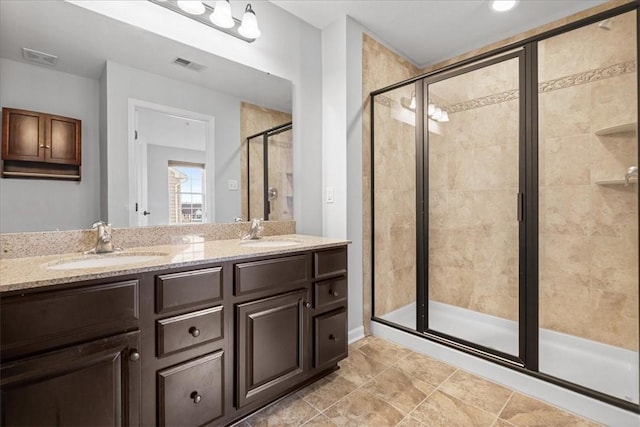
(33, 272)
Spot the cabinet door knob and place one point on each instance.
(134, 355)
(333, 338)
(195, 332)
(334, 293)
(196, 397)
(307, 304)
(41, 146)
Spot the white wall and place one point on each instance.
(125, 82)
(43, 205)
(289, 48)
(342, 150)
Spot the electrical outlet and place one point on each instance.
(232, 185)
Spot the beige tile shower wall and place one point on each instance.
(589, 232)
(395, 246)
(473, 228)
(281, 175)
(395, 205)
(254, 119)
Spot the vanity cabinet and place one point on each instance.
(71, 356)
(191, 346)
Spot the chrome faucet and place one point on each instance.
(632, 171)
(255, 231)
(104, 242)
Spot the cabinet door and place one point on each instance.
(92, 384)
(23, 135)
(271, 346)
(63, 140)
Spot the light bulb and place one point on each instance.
(431, 109)
(437, 114)
(503, 5)
(191, 6)
(249, 27)
(221, 15)
(444, 116)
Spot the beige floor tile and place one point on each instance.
(384, 351)
(528, 412)
(502, 423)
(291, 411)
(477, 391)
(408, 421)
(359, 368)
(327, 391)
(442, 410)
(399, 389)
(361, 409)
(319, 421)
(425, 368)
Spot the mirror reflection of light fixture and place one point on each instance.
(218, 17)
(431, 109)
(436, 113)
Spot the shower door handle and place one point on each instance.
(520, 207)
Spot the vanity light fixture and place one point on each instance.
(503, 5)
(218, 17)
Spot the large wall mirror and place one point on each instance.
(164, 125)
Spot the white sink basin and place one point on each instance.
(269, 243)
(98, 261)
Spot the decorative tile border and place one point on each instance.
(548, 86)
(383, 100)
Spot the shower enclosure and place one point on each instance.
(505, 207)
(270, 174)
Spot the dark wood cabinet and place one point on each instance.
(184, 347)
(270, 344)
(96, 384)
(39, 145)
(192, 393)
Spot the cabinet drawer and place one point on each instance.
(55, 318)
(191, 329)
(330, 337)
(279, 273)
(192, 394)
(329, 292)
(332, 262)
(189, 288)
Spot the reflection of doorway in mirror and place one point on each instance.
(166, 139)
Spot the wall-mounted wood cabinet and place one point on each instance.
(40, 145)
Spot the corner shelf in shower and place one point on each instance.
(623, 128)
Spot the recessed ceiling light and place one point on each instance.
(503, 5)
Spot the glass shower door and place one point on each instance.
(473, 183)
(588, 198)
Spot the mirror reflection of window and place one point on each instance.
(186, 192)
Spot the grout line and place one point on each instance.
(506, 403)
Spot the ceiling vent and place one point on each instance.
(188, 64)
(39, 57)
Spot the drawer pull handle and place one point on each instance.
(334, 293)
(195, 332)
(196, 397)
(333, 338)
(307, 304)
(134, 355)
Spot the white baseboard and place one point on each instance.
(356, 334)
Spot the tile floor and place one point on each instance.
(382, 384)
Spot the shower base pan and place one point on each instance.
(602, 367)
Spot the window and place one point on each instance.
(186, 192)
